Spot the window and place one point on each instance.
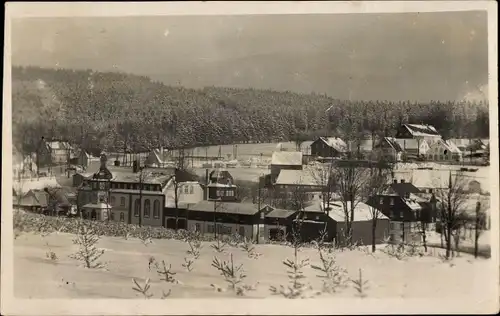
(137, 206)
(147, 208)
(122, 217)
(381, 201)
(156, 209)
(391, 201)
(242, 230)
(186, 189)
(112, 216)
(391, 214)
(122, 201)
(191, 189)
(401, 226)
(210, 228)
(112, 200)
(401, 215)
(197, 227)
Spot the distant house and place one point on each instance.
(219, 185)
(399, 203)
(60, 201)
(413, 147)
(285, 160)
(158, 158)
(85, 159)
(188, 193)
(444, 150)
(59, 151)
(23, 165)
(418, 131)
(33, 200)
(277, 222)
(225, 218)
(328, 147)
(389, 149)
(362, 225)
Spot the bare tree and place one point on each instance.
(451, 209)
(479, 226)
(377, 183)
(349, 183)
(323, 176)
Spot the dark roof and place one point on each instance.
(59, 195)
(226, 207)
(402, 188)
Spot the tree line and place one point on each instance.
(111, 111)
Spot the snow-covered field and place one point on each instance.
(35, 276)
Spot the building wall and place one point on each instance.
(269, 230)
(120, 203)
(189, 193)
(206, 227)
(362, 232)
(319, 148)
(151, 220)
(436, 153)
(404, 232)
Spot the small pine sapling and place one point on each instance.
(194, 248)
(143, 289)
(152, 261)
(146, 237)
(297, 288)
(50, 254)
(249, 248)
(188, 264)
(233, 275)
(220, 246)
(360, 285)
(334, 277)
(165, 295)
(88, 253)
(166, 274)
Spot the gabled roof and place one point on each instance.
(362, 212)
(391, 141)
(286, 158)
(421, 130)
(448, 145)
(410, 143)
(403, 188)
(297, 177)
(226, 208)
(335, 143)
(279, 213)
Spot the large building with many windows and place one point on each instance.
(131, 195)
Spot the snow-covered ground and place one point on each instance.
(35, 276)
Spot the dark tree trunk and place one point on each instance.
(374, 229)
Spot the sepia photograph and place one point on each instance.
(323, 153)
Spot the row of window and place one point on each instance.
(391, 201)
(122, 216)
(225, 193)
(221, 229)
(125, 186)
(147, 208)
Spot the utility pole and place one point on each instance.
(215, 218)
(260, 215)
(140, 195)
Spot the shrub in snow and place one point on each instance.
(233, 275)
(166, 274)
(249, 248)
(360, 285)
(142, 289)
(88, 253)
(219, 246)
(50, 254)
(334, 277)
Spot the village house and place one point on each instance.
(219, 185)
(158, 158)
(285, 160)
(277, 222)
(362, 226)
(23, 165)
(388, 149)
(413, 148)
(418, 132)
(123, 194)
(443, 150)
(33, 200)
(331, 147)
(85, 160)
(226, 218)
(58, 152)
(400, 204)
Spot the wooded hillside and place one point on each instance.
(105, 110)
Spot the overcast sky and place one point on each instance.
(404, 56)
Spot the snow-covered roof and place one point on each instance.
(335, 142)
(362, 212)
(421, 130)
(297, 177)
(410, 143)
(287, 158)
(54, 145)
(448, 145)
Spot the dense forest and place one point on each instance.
(109, 111)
